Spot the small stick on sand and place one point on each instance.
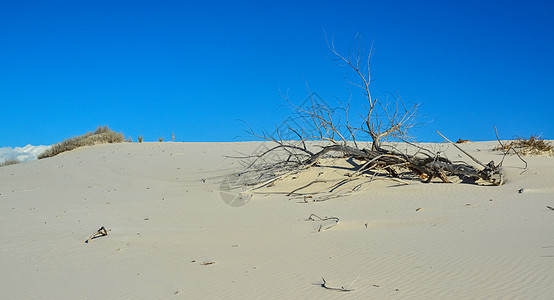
(305, 186)
(311, 218)
(341, 289)
(335, 219)
(101, 232)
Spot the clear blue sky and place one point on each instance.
(204, 69)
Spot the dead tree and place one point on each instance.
(328, 131)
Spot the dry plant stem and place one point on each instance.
(341, 289)
(393, 179)
(314, 217)
(398, 122)
(362, 168)
(332, 196)
(305, 186)
(100, 232)
(342, 182)
(507, 151)
(472, 158)
(268, 182)
(331, 189)
(497, 138)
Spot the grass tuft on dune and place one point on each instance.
(535, 145)
(102, 135)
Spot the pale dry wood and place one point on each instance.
(329, 137)
(100, 232)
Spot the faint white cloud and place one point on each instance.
(22, 154)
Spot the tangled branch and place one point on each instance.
(327, 132)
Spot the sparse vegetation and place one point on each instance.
(535, 145)
(102, 135)
(376, 145)
(9, 162)
(140, 138)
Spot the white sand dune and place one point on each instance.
(172, 236)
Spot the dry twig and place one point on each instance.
(508, 148)
(101, 232)
(341, 289)
(314, 217)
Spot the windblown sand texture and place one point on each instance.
(171, 236)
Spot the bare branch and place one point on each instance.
(325, 132)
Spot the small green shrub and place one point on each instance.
(535, 145)
(140, 138)
(9, 162)
(102, 135)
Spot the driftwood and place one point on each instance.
(319, 131)
(393, 162)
